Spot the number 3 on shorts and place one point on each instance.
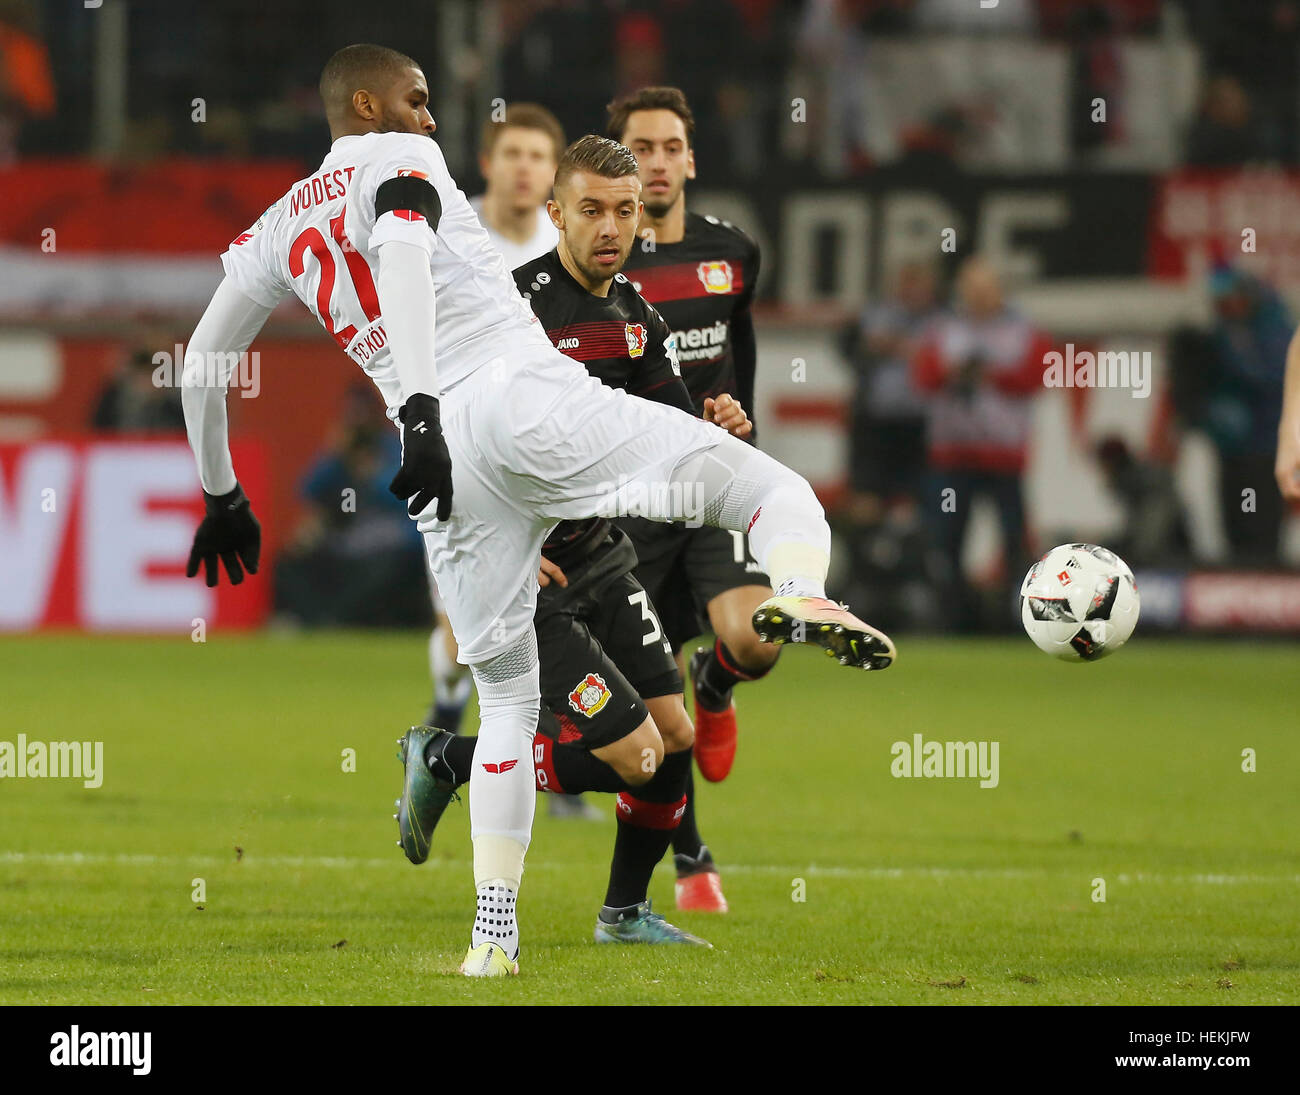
(648, 615)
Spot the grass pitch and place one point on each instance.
(224, 762)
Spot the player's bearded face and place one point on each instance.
(405, 107)
(600, 219)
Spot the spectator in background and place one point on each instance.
(981, 364)
(1226, 132)
(133, 401)
(1244, 393)
(1256, 42)
(356, 559)
(26, 83)
(887, 421)
(1155, 524)
(887, 457)
(833, 59)
(1092, 34)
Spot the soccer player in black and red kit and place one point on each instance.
(613, 717)
(699, 272)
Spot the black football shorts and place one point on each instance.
(602, 650)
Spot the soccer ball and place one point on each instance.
(1079, 602)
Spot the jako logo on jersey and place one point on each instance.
(715, 275)
(500, 769)
(567, 344)
(590, 696)
(635, 335)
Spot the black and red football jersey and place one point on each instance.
(703, 286)
(623, 342)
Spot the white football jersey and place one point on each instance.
(321, 242)
(544, 238)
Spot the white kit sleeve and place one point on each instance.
(406, 299)
(224, 332)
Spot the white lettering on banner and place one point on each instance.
(122, 535)
(30, 538)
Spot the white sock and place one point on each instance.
(797, 569)
(502, 789)
(494, 920)
(800, 587)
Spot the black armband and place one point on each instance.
(406, 193)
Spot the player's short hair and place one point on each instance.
(650, 98)
(356, 67)
(596, 156)
(522, 116)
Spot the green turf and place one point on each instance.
(916, 891)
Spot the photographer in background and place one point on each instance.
(981, 364)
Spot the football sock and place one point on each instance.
(719, 674)
(686, 837)
(494, 918)
(688, 865)
(646, 821)
(457, 756)
(501, 795)
(571, 769)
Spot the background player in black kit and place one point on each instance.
(613, 717)
(699, 272)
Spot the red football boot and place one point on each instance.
(715, 731)
(699, 889)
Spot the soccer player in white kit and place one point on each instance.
(384, 249)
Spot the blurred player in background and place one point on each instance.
(517, 157)
(699, 272)
(383, 248)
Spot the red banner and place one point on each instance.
(1250, 219)
(95, 535)
(167, 207)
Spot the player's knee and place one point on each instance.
(675, 726)
(636, 758)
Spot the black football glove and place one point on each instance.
(229, 532)
(426, 463)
